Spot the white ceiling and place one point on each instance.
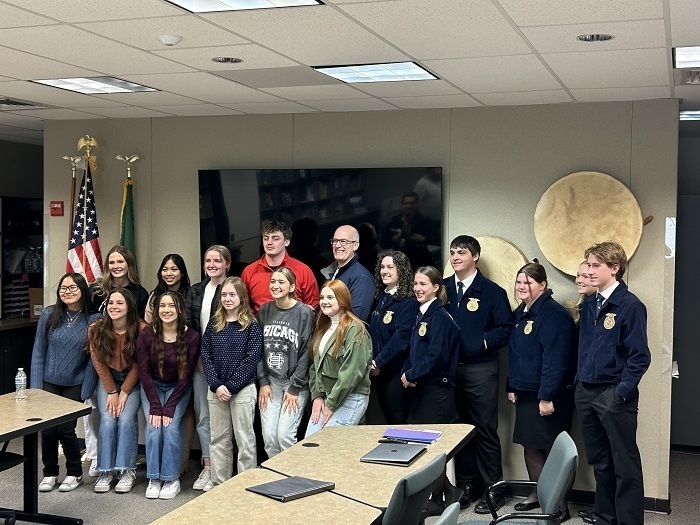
(485, 52)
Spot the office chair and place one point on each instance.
(7, 461)
(554, 480)
(412, 493)
(449, 516)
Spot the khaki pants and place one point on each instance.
(230, 419)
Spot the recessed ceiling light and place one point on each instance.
(689, 115)
(208, 6)
(686, 57)
(594, 38)
(95, 85)
(227, 60)
(392, 72)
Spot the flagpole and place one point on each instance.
(88, 143)
(73, 167)
(126, 216)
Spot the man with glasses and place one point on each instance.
(347, 268)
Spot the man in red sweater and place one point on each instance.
(276, 236)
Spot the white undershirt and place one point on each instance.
(327, 335)
(424, 307)
(205, 312)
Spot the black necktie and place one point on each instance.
(599, 302)
(460, 292)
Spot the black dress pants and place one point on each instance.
(609, 427)
(65, 433)
(478, 464)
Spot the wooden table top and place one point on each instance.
(230, 503)
(40, 410)
(337, 459)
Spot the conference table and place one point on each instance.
(333, 454)
(26, 419)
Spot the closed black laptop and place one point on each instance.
(394, 454)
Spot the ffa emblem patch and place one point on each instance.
(387, 316)
(473, 304)
(528, 327)
(423, 329)
(609, 321)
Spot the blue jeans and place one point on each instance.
(279, 430)
(119, 436)
(164, 448)
(349, 413)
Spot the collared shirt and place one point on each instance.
(608, 291)
(466, 282)
(424, 307)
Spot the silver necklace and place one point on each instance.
(72, 319)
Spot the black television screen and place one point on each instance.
(398, 208)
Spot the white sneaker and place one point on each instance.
(92, 471)
(47, 484)
(70, 483)
(170, 489)
(153, 490)
(126, 481)
(104, 482)
(203, 479)
(208, 486)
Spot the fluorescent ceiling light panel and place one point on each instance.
(209, 6)
(687, 57)
(689, 115)
(95, 85)
(393, 72)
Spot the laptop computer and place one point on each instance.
(400, 454)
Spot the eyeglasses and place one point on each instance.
(65, 289)
(342, 242)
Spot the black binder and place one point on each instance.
(292, 488)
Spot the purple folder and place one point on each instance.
(416, 436)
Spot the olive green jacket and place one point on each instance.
(348, 373)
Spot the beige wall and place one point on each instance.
(497, 161)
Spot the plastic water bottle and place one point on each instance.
(20, 385)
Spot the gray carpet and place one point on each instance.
(97, 509)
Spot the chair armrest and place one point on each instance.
(501, 484)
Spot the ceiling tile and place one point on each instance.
(603, 69)
(271, 107)
(553, 96)
(619, 94)
(91, 11)
(75, 46)
(409, 89)
(21, 119)
(148, 98)
(315, 36)
(685, 19)
(26, 66)
(253, 55)
(640, 34)
(554, 12)
(13, 17)
(278, 77)
(495, 74)
(204, 87)
(63, 114)
(142, 33)
(127, 112)
(302, 93)
(358, 104)
(51, 96)
(441, 101)
(441, 28)
(196, 110)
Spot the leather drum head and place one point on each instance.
(582, 209)
(500, 261)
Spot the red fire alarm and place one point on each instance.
(56, 208)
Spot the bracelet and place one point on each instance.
(110, 393)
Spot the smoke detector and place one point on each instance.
(169, 40)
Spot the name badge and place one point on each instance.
(609, 321)
(387, 316)
(473, 304)
(423, 329)
(528, 328)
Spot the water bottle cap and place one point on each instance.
(21, 369)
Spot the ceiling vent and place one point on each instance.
(7, 104)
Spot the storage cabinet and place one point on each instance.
(16, 343)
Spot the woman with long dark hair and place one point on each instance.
(58, 366)
(391, 324)
(172, 276)
(341, 358)
(113, 340)
(167, 356)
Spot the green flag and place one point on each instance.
(126, 231)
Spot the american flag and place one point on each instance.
(84, 255)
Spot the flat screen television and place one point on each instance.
(398, 208)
